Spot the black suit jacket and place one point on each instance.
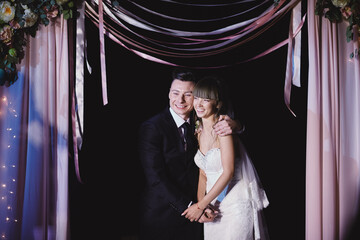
(171, 180)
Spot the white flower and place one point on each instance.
(29, 17)
(340, 3)
(24, 6)
(7, 12)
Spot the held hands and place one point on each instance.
(195, 213)
(226, 126)
(208, 216)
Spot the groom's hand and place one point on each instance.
(208, 216)
(226, 126)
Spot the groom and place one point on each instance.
(167, 156)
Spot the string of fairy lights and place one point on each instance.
(8, 167)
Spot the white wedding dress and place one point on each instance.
(241, 202)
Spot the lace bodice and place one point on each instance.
(210, 163)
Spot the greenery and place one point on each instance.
(19, 18)
(338, 10)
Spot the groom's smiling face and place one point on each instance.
(181, 97)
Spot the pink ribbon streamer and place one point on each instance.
(116, 38)
(196, 20)
(290, 62)
(288, 75)
(214, 49)
(141, 47)
(207, 50)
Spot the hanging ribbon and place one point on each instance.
(79, 84)
(194, 44)
(78, 93)
(297, 21)
(120, 38)
(102, 53)
(226, 43)
(290, 66)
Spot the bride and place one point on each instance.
(228, 182)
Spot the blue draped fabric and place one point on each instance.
(34, 120)
(28, 188)
(12, 160)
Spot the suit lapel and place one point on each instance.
(174, 134)
(192, 142)
(173, 130)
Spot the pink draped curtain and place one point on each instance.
(333, 132)
(34, 127)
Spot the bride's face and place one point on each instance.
(204, 108)
(181, 98)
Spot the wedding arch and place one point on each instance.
(37, 137)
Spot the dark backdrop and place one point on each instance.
(105, 206)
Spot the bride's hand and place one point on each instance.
(193, 213)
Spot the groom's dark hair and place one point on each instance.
(183, 74)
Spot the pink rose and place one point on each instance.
(52, 12)
(14, 24)
(6, 34)
(346, 12)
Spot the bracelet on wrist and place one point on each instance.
(197, 205)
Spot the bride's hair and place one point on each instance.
(214, 88)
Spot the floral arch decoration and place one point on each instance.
(342, 10)
(19, 18)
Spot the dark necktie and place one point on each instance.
(185, 136)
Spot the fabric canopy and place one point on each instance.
(196, 35)
(186, 34)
